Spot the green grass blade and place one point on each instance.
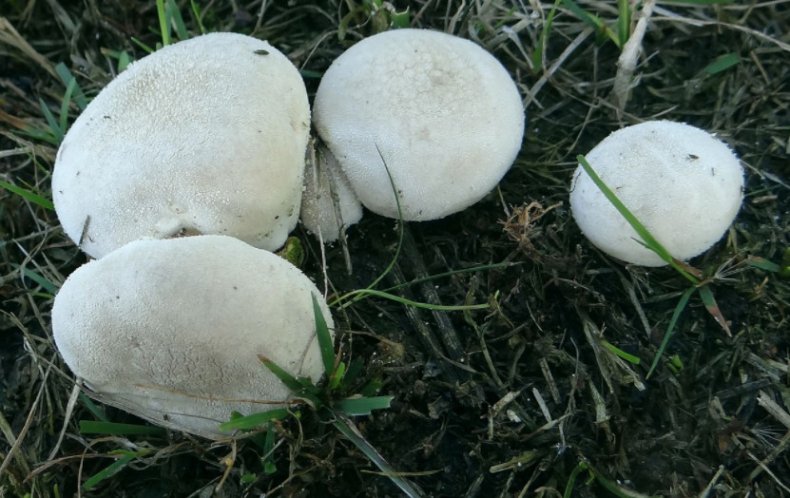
(325, 343)
(64, 106)
(147, 48)
(27, 195)
(409, 302)
(174, 19)
(54, 127)
(363, 405)
(635, 360)
(197, 16)
(473, 269)
(115, 429)
(346, 427)
(108, 472)
(592, 20)
(66, 77)
(684, 299)
(649, 241)
(92, 407)
(699, 2)
(164, 26)
(336, 379)
(394, 259)
(539, 54)
(303, 390)
(254, 421)
(289, 380)
(581, 467)
(763, 264)
(722, 63)
(40, 280)
(623, 21)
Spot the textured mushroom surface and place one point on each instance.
(204, 136)
(171, 330)
(682, 183)
(440, 111)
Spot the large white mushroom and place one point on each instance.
(171, 330)
(682, 183)
(204, 136)
(440, 111)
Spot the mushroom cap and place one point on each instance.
(681, 182)
(203, 136)
(171, 330)
(329, 205)
(441, 111)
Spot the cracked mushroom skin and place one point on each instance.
(440, 111)
(682, 183)
(205, 136)
(170, 330)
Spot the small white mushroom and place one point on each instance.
(171, 330)
(440, 111)
(682, 183)
(329, 205)
(204, 136)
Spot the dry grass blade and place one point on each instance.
(10, 36)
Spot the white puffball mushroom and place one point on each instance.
(170, 330)
(205, 136)
(329, 205)
(682, 183)
(440, 111)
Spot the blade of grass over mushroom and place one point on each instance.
(27, 195)
(254, 420)
(684, 299)
(302, 388)
(346, 427)
(116, 429)
(647, 238)
(363, 405)
(395, 256)
(325, 343)
(713, 308)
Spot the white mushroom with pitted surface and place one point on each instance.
(171, 330)
(436, 112)
(683, 184)
(206, 136)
